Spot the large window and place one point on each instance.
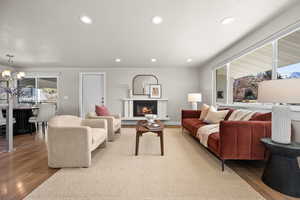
(38, 90)
(289, 56)
(247, 71)
(280, 59)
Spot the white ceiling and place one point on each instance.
(48, 33)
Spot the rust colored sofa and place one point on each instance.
(236, 140)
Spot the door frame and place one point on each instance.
(81, 74)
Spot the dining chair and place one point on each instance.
(45, 112)
(3, 123)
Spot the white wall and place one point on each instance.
(269, 30)
(176, 84)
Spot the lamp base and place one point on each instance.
(194, 106)
(281, 124)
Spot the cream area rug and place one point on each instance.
(186, 172)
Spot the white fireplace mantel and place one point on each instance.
(162, 105)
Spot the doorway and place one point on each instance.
(92, 91)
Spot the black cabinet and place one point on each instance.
(22, 115)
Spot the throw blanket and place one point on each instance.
(238, 115)
(204, 132)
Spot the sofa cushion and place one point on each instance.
(204, 111)
(214, 117)
(230, 111)
(214, 143)
(192, 124)
(262, 117)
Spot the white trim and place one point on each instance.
(228, 92)
(214, 88)
(80, 88)
(274, 59)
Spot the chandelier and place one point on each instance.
(8, 75)
(11, 78)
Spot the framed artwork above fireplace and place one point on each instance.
(155, 91)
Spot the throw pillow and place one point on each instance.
(214, 116)
(262, 117)
(204, 110)
(241, 115)
(101, 110)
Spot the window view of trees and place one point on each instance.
(249, 70)
(245, 89)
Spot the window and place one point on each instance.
(38, 90)
(47, 90)
(279, 59)
(28, 86)
(247, 71)
(221, 86)
(289, 56)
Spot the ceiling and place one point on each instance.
(48, 33)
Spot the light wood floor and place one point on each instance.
(26, 168)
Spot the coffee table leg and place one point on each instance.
(162, 143)
(137, 140)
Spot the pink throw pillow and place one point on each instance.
(101, 111)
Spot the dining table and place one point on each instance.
(22, 115)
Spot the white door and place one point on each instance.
(92, 92)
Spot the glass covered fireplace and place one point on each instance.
(140, 108)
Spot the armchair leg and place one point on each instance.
(103, 145)
(223, 165)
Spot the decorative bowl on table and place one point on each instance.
(150, 118)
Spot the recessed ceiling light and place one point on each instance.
(118, 59)
(153, 59)
(157, 20)
(86, 19)
(189, 60)
(228, 20)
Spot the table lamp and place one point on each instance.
(281, 92)
(194, 98)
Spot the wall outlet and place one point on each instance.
(66, 97)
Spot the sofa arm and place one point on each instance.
(69, 146)
(190, 114)
(241, 139)
(95, 123)
(117, 116)
(110, 124)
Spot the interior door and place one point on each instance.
(92, 92)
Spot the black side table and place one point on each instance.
(282, 172)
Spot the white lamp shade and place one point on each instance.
(194, 97)
(279, 91)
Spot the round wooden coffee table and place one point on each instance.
(142, 128)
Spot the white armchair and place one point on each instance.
(113, 123)
(71, 140)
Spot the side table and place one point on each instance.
(282, 172)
